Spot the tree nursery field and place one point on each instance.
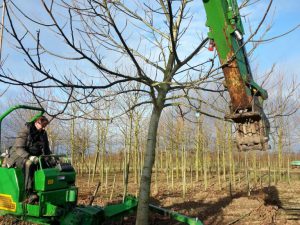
(274, 204)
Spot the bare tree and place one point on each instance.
(110, 44)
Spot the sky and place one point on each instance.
(283, 52)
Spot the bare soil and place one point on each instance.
(278, 204)
(266, 205)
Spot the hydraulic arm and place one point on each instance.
(226, 35)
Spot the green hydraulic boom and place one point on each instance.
(226, 35)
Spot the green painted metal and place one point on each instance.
(87, 215)
(72, 195)
(295, 163)
(53, 179)
(176, 216)
(13, 108)
(51, 210)
(223, 19)
(94, 215)
(33, 210)
(129, 204)
(57, 198)
(45, 210)
(11, 190)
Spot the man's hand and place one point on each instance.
(34, 159)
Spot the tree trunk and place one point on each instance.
(97, 150)
(144, 191)
(136, 149)
(72, 141)
(218, 146)
(127, 157)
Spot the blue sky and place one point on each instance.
(283, 52)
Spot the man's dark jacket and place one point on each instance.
(29, 142)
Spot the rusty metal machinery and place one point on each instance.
(246, 107)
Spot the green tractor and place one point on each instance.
(58, 195)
